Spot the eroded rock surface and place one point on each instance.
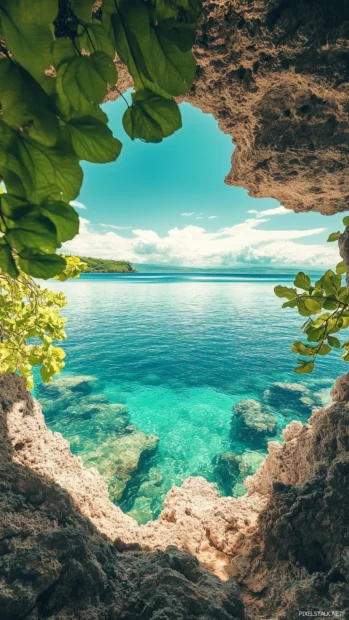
(285, 541)
(252, 421)
(274, 73)
(55, 564)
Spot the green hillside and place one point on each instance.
(106, 265)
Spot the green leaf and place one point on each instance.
(334, 236)
(341, 267)
(324, 349)
(312, 304)
(345, 356)
(302, 349)
(52, 173)
(95, 38)
(64, 218)
(151, 117)
(7, 263)
(93, 141)
(41, 265)
(302, 308)
(284, 291)
(32, 230)
(82, 9)
(305, 367)
(88, 76)
(27, 30)
(330, 304)
(154, 60)
(290, 304)
(346, 220)
(302, 281)
(334, 342)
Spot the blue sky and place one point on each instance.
(134, 208)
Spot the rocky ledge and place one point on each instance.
(68, 552)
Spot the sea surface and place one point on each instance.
(179, 350)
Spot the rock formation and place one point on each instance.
(274, 73)
(55, 564)
(252, 421)
(285, 541)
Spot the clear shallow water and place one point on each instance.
(180, 351)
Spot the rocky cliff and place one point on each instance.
(68, 552)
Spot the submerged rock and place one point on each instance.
(59, 388)
(252, 421)
(292, 396)
(227, 468)
(119, 458)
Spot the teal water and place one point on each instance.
(179, 351)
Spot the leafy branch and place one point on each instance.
(30, 324)
(56, 64)
(327, 293)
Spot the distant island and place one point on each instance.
(107, 265)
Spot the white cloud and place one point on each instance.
(212, 217)
(188, 214)
(239, 245)
(115, 227)
(77, 204)
(276, 211)
(252, 211)
(199, 217)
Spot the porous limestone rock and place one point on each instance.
(55, 564)
(252, 421)
(274, 73)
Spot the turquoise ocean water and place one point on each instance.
(179, 350)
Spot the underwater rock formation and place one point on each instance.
(252, 421)
(274, 73)
(119, 448)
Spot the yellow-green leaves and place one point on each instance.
(151, 117)
(334, 236)
(28, 311)
(302, 281)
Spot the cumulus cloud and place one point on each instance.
(239, 245)
(77, 204)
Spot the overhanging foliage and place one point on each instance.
(56, 62)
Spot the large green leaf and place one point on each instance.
(93, 141)
(88, 76)
(153, 58)
(25, 104)
(52, 173)
(33, 230)
(64, 218)
(95, 38)
(27, 30)
(151, 117)
(41, 265)
(69, 100)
